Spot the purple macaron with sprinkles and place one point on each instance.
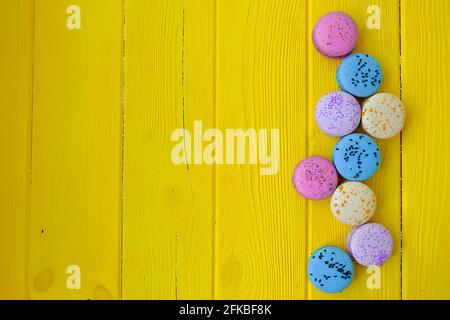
(370, 244)
(335, 34)
(338, 113)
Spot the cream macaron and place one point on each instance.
(353, 203)
(383, 115)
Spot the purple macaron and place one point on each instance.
(370, 244)
(335, 34)
(338, 113)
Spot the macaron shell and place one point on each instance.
(353, 203)
(338, 113)
(335, 34)
(349, 239)
(383, 115)
(330, 269)
(356, 157)
(360, 75)
(315, 178)
(371, 244)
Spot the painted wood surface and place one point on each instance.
(76, 151)
(426, 151)
(86, 173)
(167, 208)
(261, 84)
(16, 65)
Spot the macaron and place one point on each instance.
(370, 244)
(349, 238)
(353, 203)
(335, 34)
(315, 178)
(383, 115)
(330, 269)
(360, 75)
(338, 113)
(356, 157)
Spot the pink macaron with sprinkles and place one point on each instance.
(338, 113)
(315, 178)
(370, 244)
(335, 34)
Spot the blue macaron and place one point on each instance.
(330, 269)
(356, 157)
(360, 75)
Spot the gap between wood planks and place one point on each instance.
(123, 97)
(214, 178)
(30, 159)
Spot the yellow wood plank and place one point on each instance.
(261, 84)
(76, 170)
(168, 208)
(195, 226)
(426, 152)
(16, 23)
(324, 229)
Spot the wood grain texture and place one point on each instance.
(196, 226)
(167, 207)
(324, 229)
(261, 84)
(426, 150)
(76, 170)
(16, 25)
(86, 175)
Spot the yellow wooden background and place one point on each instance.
(85, 171)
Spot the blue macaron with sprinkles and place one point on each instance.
(330, 269)
(360, 75)
(356, 157)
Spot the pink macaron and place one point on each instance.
(335, 34)
(315, 178)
